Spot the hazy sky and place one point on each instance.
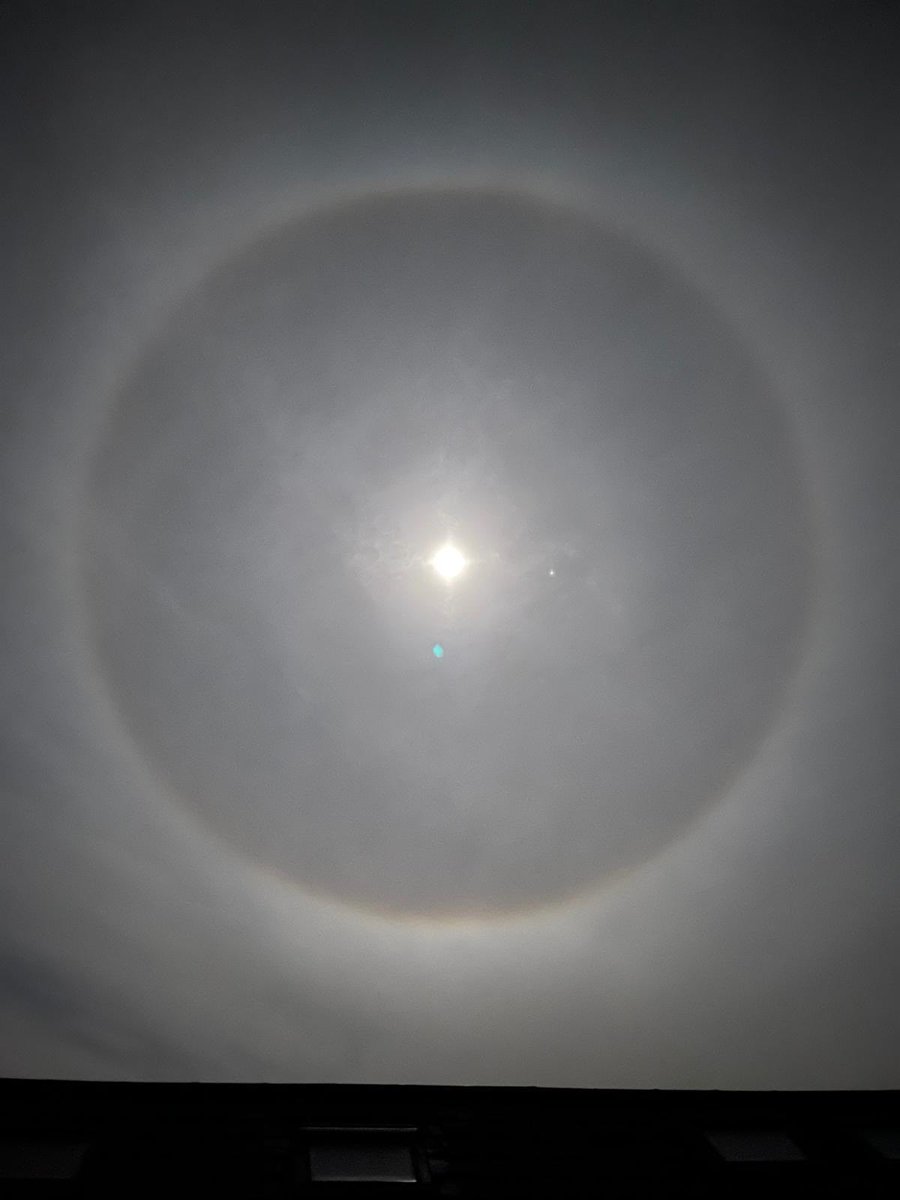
(605, 298)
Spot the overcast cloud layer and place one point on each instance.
(605, 297)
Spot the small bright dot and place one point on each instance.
(437, 650)
(449, 562)
(551, 572)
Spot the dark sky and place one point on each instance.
(605, 298)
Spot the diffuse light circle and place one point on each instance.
(403, 371)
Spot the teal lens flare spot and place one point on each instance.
(437, 650)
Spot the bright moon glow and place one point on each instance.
(449, 562)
